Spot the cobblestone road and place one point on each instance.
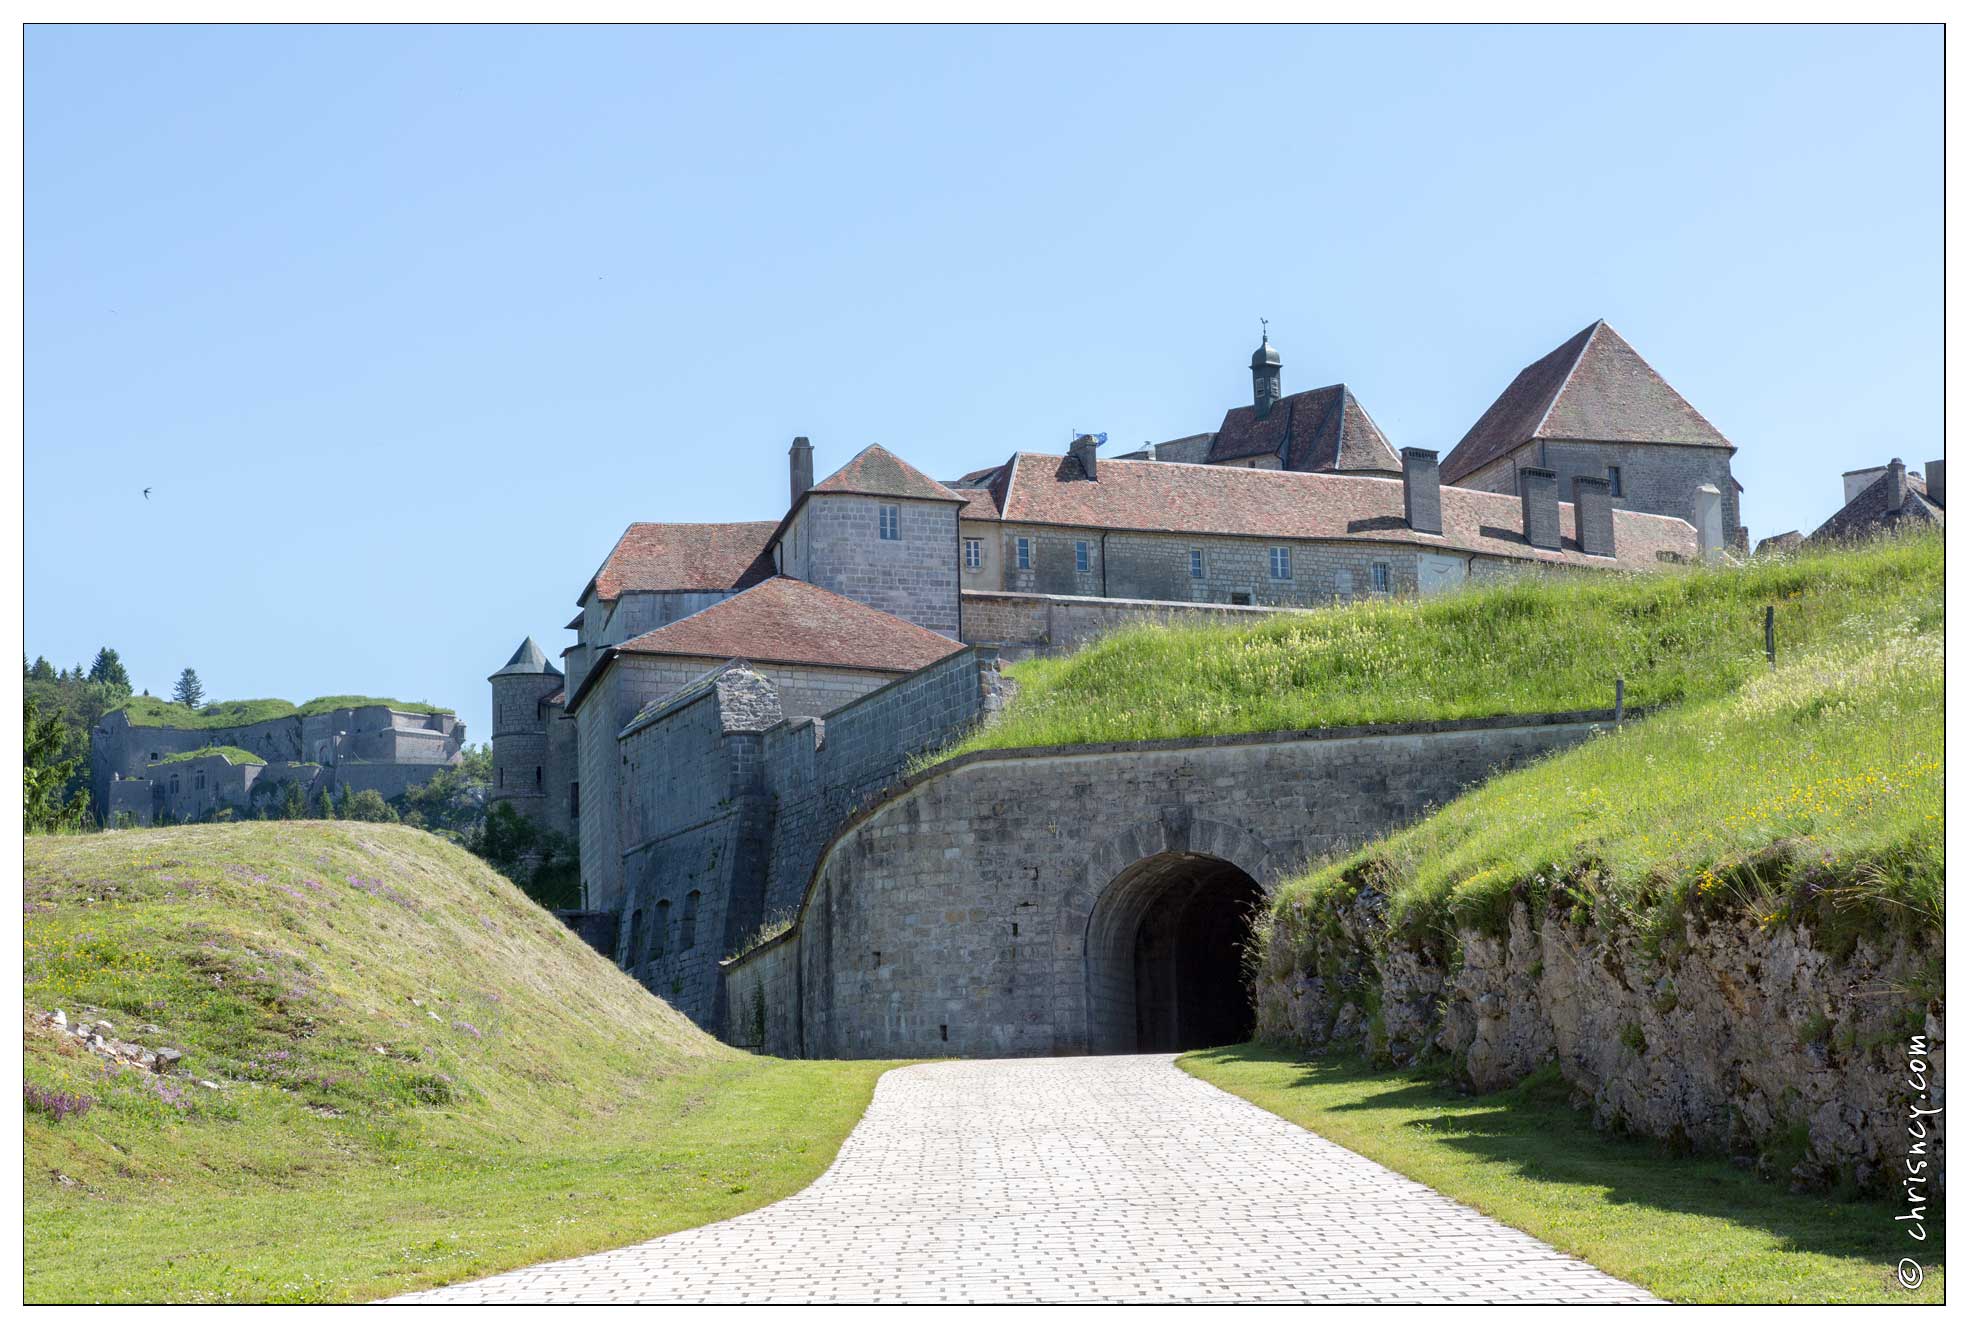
(1077, 1179)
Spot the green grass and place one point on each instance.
(530, 1101)
(156, 712)
(237, 756)
(1813, 795)
(1537, 644)
(1687, 1229)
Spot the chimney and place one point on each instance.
(1896, 485)
(1709, 522)
(1083, 452)
(1422, 490)
(1592, 514)
(1538, 488)
(1934, 477)
(800, 467)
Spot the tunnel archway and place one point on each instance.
(1165, 955)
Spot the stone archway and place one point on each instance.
(1165, 955)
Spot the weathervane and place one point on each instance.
(1264, 329)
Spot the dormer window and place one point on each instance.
(891, 521)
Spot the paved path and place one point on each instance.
(1078, 1179)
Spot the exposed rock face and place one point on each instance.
(1732, 1036)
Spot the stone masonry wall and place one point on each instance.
(1654, 477)
(914, 576)
(1021, 625)
(906, 935)
(818, 773)
(1146, 566)
(762, 1003)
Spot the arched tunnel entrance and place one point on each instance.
(1165, 956)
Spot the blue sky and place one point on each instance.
(402, 326)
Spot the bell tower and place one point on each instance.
(1264, 373)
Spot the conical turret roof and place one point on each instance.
(528, 659)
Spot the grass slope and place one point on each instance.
(156, 712)
(423, 1076)
(1814, 794)
(1688, 1229)
(237, 756)
(1539, 644)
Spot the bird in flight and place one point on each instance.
(146, 493)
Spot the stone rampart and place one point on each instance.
(990, 905)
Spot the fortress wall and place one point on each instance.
(906, 934)
(762, 1002)
(694, 819)
(118, 746)
(1023, 625)
(391, 779)
(818, 775)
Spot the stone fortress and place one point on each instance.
(727, 732)
(142, 773)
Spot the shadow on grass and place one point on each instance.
(1534, 1130)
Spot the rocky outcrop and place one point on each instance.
(1734, 1034)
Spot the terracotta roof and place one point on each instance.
(1322, 429)
(877, 472)
(784, 621)
(1191, 447)
(1046, 489)
(685, 556)
(1868, 513)
(1595, 386)
(972, 479)
(979, 505)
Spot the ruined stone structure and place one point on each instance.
(140, 772)
(736, 690)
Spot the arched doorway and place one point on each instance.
(1165, 955)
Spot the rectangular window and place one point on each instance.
(1196, 564)
(1281, 563)
(499, 778)
(536, 777)
(1080, 560)
(1241, 597)
(1024, 548)
(1381, 578)
(1613, 481)
(891, 518)
(974, 554)
(574, 800)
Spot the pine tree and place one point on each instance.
(109, 669)
(189, 692)
(42, 672)
(44, 774)
(327, 809)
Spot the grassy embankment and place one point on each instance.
(1688, 1229)
(1542, 644)
(422, 1075)
(237, 756)
(156, 711)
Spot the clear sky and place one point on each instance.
(402, 326)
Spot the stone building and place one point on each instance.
(736, 690)
(139, 772)
(1885, 500)
(1593, 408)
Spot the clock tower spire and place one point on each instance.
(1264, 372)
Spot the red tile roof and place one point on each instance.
(1324, 429)
(784, 621)
(685, 556)
(1047, 489)
(1594, 387)
(877, 472)
(979, 505)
